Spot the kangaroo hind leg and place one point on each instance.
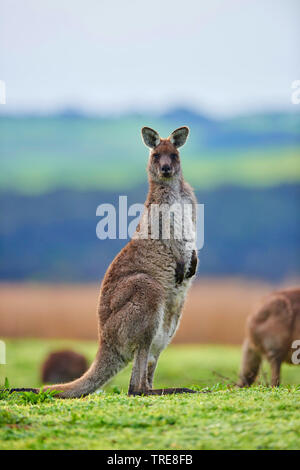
(160, 342)
(152, 363)
(250, 365)
(275, 363)
(139, 376)
(142, 377)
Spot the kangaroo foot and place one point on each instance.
(163, 391)
(170, 391)
(34, 390)
(242, 384)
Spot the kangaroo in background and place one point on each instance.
(143, 291)
(271, 332)
(62, 366)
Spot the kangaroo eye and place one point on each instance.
(173, 156)
(156, 156)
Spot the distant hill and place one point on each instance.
(70, 150)
(55, 171)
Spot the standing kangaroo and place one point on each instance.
(271, 332)
(143, 291)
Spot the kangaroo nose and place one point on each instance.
(166, 169)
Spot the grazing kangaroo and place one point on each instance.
(144, 288)
(62, 366)
(271, 332)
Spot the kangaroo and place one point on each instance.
(143, 291)
(271, 332)
(60, 366)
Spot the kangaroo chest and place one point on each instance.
(181, 243)
(182, 229)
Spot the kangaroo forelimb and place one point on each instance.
(193, 266)
(179, 272)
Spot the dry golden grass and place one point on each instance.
(48, 310)
(215, 311)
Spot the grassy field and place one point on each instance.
(224, 418)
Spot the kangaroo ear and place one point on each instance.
(179, 136)
(150, 137)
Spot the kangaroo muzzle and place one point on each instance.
(166, 171)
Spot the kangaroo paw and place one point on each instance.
(179, 272)
(134, 393)
(193, 266)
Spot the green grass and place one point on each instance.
(225, 418)
(258, 168)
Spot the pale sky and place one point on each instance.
(219, 56)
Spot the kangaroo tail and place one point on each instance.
(106, 364)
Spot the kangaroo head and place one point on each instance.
(164, 160)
